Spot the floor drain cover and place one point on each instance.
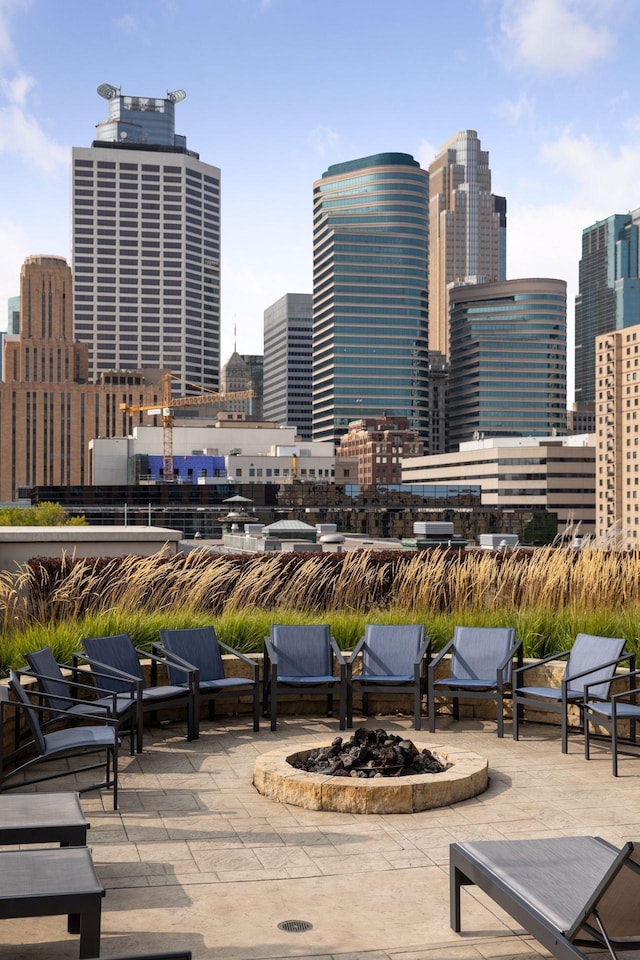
(295, 926)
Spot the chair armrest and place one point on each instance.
(609, 663)
(424, 651)
(337, 652)
(613, 696)
(170, 658)
(515, 650)
(107, 719)
(356, 650)
(91, 687)
(539, 663)
(76, 669)
(237, 653)
(107, 669)
(440, 656)
(270, 651)
(176, 662)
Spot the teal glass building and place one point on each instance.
(608, 293)
(508, 374)
(370, 330)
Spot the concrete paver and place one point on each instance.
(197, 859)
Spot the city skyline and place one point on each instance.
(544, 82)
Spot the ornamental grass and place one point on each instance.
(547, 594)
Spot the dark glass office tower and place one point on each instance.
(370, 331)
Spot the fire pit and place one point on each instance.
(374, 772)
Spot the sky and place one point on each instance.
(277, 90)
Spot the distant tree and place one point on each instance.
(43, 515)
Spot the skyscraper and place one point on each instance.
(370, 350)
(48, 411)
(146, 245)
(608, 292)
(288, 351)
(508, 360)
(467, 228)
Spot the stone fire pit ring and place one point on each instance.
(274, 777)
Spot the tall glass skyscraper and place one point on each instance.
(608, 293)
(370, 332)
(146, 245)
(467, 228)
(508, 360)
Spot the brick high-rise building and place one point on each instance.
(48, 409)
(379, 446)
(617, 381)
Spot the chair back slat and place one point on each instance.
(477, 652)
(118, 653)
(303, 651)
(198, 646)
(391, 649)
(22, 697)
(52, 682)
(587, 653)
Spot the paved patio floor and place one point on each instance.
(197, 859)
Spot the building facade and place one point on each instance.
(235, 377)
(555, 475)
(146, 245)
(608, 291)
(255, 362)
(508, 360)
(378, 446)
(617, 369)
(288, 349)
(467, 228)
(48, 409)
(370, 332)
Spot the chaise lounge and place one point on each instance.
(568, 892)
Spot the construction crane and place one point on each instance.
(169, 403)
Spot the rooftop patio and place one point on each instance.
(196, 859)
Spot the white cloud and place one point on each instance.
(21, 133)
(17, 89)
(323, 139)
(517, 111)
(425, 154)
(7, 52)
(127, 23)
(558, 37)
(603, 180)
(20, 130)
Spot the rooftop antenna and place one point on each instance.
(235, 331)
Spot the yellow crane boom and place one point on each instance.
(169, 403)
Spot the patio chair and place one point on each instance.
(567, 892)
(116, 662)
(392, 662)
(61, 696)
(199, 649)
(60, 744)
(592, 660)
(299, 660)
(480, 669)
(620, 707)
